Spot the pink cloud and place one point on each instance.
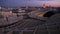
(53, 3)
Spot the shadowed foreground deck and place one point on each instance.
(34, 26)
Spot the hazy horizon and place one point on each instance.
(38, 3)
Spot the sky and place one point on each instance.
(54, 3)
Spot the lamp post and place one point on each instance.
(0, 8)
